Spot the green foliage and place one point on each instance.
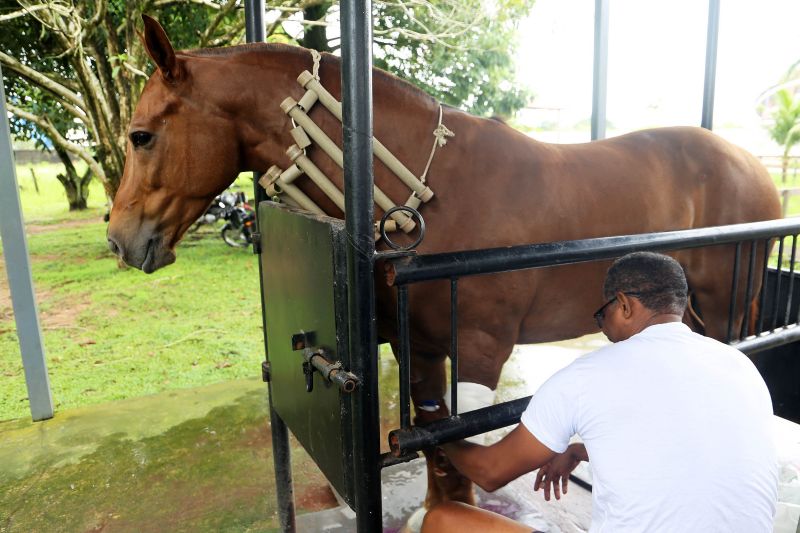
(466, 62)
(74, 70)
(459, 51)
(786, 129)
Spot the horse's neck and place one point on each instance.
(272, 77)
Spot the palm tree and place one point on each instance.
(785, 129)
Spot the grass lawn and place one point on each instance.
(113, 333)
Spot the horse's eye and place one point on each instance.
(140, 138)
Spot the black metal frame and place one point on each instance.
(407, 440)
(356, 47)
(356, 27)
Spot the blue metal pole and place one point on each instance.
(23, 298)
(712, 39)
(600, 72)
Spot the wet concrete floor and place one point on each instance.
(200, 460)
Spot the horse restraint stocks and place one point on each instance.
(277, 181)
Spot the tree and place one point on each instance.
(74, 70)
(459, 51)
(779, 105)
(785, 129)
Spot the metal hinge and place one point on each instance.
(256, 243)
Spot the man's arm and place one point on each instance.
(492, 467)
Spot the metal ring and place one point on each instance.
(414, 214)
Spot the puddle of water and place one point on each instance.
(197, 460)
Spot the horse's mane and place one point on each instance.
(298, 51)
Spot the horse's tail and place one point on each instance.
(754, 310)
(695, 320)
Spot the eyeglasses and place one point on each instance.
(599, 315)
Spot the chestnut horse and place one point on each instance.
(206, 115)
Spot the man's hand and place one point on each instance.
(491, 467)
(555, 474)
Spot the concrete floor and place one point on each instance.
(200, 460)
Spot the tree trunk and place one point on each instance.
(784, 166)
(76, 186)
(315, 36)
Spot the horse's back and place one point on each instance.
(684, 172)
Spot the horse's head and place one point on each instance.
(182, 151)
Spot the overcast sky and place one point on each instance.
(657, 58)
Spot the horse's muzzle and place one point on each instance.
(148, 254)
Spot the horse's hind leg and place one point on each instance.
(709, 272)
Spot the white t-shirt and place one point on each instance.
(678, 428)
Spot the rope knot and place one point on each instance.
(441, 133)
(316, 57)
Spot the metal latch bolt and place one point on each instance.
(332, 372)
(317, 359)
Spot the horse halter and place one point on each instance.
(279, 182)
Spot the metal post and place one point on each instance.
(600, 77)
(23, 298)
(356, 32)
(281, 451)
(712, 39)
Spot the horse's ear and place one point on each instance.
(160, 49)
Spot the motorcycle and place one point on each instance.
(217, 211)
(240, 225)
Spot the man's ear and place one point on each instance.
(625, 304)
(160, 49)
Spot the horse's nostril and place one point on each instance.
(113, 247)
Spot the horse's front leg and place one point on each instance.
(481, 358)
(428, 388)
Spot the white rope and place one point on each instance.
(316, 57)
(440, 139)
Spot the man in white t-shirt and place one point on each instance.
(676, 426)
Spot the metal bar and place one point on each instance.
(600, 69)
(254, 21)
(748, 293)
(494, 260)
(465, 425)
(454, 346)
(20, 281)
(281, 457)
(791, 282)
(734, 289)
(405, 357)
(769, 340)
(357, 131)
(712, 38)
(763, 302)
(777, 293)
(281, 451)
